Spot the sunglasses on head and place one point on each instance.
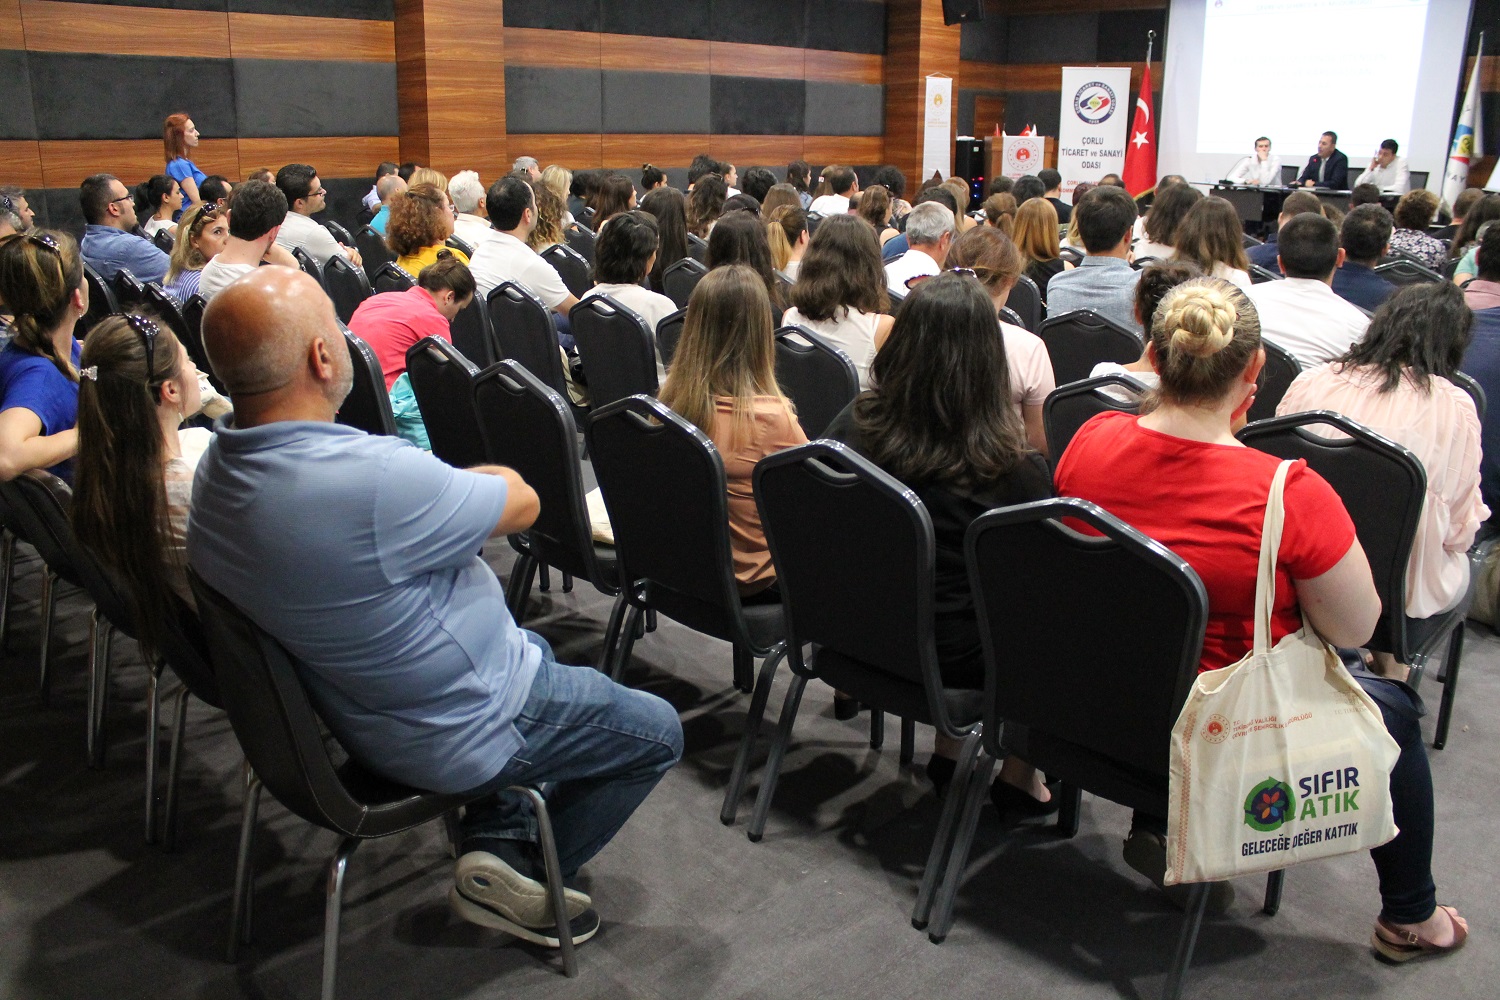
(147, 331)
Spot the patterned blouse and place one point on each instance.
(1432, 252)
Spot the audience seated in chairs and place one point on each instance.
(740, 238)
(1035, 236)
(1173, 474)
(1210, 236)
(843, 184)
(758, 183)
(1414, 213)
(1296, 203)
(930, 230)
(1462, 206)
(133, 482)
(550, 228)
(16, 215)
(705, 203)
(1160, 225)
(1000, 212)
(109, 241)
(467, 192)
(393, 322)
(1105, 281)
(1397, 383)
(1483, 292)
(940, 419)
(373, 199)
(840, 292)
(787, 236)
(669, 207)
(1466, 243)
(993, 258)
(898, 245)
(158, 199)
(779, 195)
(799, 176)
(504, 256)
(875, 207)
(723, 380)
(615, 195)
(1366, 237)
(1156, 281)
(258, 211)
(41, 283)
(201, 236)
(1302, 314)
(651, 177)
(305, 197)
(623, 258)
(320, 532)
(421, 222)
(390, 186)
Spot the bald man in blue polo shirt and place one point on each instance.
(358, 553)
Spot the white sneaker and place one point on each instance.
(490, 893)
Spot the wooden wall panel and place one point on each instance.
(842, 67)
(751, 149)
(540, 47)
(628, 152)
(771, 62)
(334, 156)
(137, 31)
(576, 152)
(450, 84)
(66, 162)
(918, 44)
(12, 36)
(1034, 77)
(850, 150)
(21, 163)
(988, 112)
(662, 55)
(283, 36)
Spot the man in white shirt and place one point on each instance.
(1302, 314)
(529, 166)
(256, 213)
(467, 193)
(1387, 171)
(843, 182)
(1259, 169)
(930, 229)
(306, 196)
(503, 254)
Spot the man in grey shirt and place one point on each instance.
(1105, 281)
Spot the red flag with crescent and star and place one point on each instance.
(1140, 151)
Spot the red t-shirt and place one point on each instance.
(1207, 503)
(393, 322)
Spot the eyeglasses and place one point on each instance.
(320, 192)
(116, 201)
(147, 331)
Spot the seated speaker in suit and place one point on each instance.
(1329, 168)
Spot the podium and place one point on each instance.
(994, 155)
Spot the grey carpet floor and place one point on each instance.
(690, 908)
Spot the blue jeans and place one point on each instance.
(600, 746)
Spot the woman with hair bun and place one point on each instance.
(1179, 475)
(786, 231)
(157, 202)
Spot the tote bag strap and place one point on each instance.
(1270, 546)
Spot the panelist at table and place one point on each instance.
(1328, 168)
(1259, 169)
(1387, 170)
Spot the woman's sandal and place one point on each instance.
(1395, 945)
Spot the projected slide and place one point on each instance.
(1290, 69)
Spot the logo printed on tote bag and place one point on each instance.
(1269, 806)
(1216, 730)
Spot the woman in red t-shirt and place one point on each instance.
(1178, 474)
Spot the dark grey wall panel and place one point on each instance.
(1122, 35)
(758, 22)
(547, 100)
(559, 15)
(679, 19)
(665, 103)
(88, 96)
(366, 10)
(1022, 108)
(1053, 38)
(283, 98)
(845, 109)
(16, 119)
(984, 40)
(846, 25)
(750, 106)
(59, 206)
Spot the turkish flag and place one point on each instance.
(1140, 151)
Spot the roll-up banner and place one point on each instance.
(1095, 113)
(937, 127)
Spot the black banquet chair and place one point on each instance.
(1070, 406)
(697, 246)
(1405, 271)
(102, 300)
(308, 264)
(580, 240)
(164, 241)
(680, 278)
(346, 285)
(1276, 378)
(1078, 340)
(525, 331)
(617, 349)
(471, 334)
(373, 252)
(668, 333)
(817, 377)
(368, 405)
(572, 268)
(1026, 299)
(390, 277)
(442, 380)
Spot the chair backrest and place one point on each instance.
(1072, 255)
(580, 240)
(668, 333)
(442, 380)
(572, 268)
(525, 332)
(308, 264)
(1419, 179)
(697, 246)
(1094, 647)
(1476, 392)
(680, 278)
(895, 299)
(1009, 315)
(1403, 271)
(340, 233)
(817, 377)
(1288, 174)
(272, 716)
(192, 312)
(664, 488)
(164, 241)
(1078, 340)
(785, 283)
(372, 251)
(128, 289)
(36, 505)
(471, 334)
(1275, 379)
(855, 557)
(1260, 274)
(617, 349)
(346, 285)
(368, 405)
(1248, 241)
(1026, 299)
(1382, 485)
(102, 300)
(528, 426)
(1070, 406)
(390, 277)
(461, 245)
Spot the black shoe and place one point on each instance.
(940, 773)
(1010, 799)
(845, 709)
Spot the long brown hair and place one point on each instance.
(990, 254)
(185, 256)
(549, 218)
(784, 228)
(668, 206)
(705, 203)
(119, 508)
(875, 207)
(840, 268)
(1035, 230)
(39, 272)
(739, 238)
(1211, 234)
(727, 348)
(612, 198)
(941, 413)
(417, 220)
(174, 136)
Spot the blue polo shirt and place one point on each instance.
(358, 554)
(32, 382)
(108, 249)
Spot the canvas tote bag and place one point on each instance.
(1279, 758)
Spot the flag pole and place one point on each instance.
(1151, 43)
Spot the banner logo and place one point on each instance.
(1216, 730)
(1094, 103)
(1269, 806)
